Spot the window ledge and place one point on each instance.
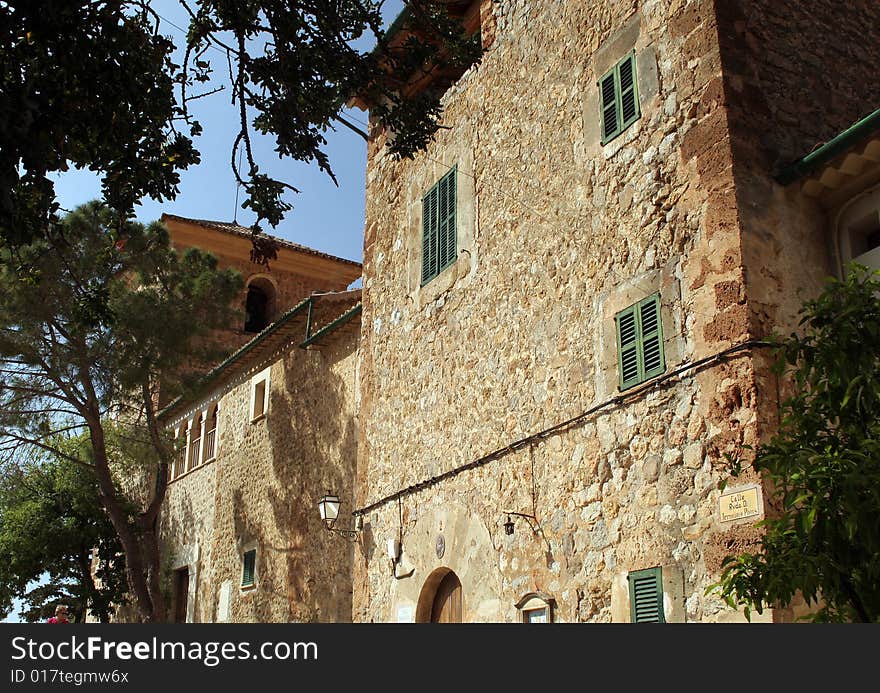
(258, 418)
(445, 280)
(194, 469)
(630, 388)
(622, 139)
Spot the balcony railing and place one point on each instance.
(194, 447)
(209, 444)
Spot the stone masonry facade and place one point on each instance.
(556, 234)
(475, 422)
(261, 491)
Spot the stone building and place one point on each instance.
(563, 298)
(562, 319)
(272, 426)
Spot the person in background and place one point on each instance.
(60, 615)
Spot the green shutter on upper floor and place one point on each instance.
(439, 232)
(619, 98)
(610, 119)
(652, 361)
(640, 342)
(446, 227)
(248, 569)
(429, 235)
(627, 347)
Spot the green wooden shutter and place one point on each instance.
(629, 102)
(619, 98)
(646, 596)
(627, 347)
(429, 234)
(439, 242)
(249, 565)
(651, 337)
(447, 235)
(640, 342)
(608, 96)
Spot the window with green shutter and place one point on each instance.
(248, 568)
(646, 596)
(439, 247)
(640, 342)
(619, 98)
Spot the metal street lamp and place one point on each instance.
(328, 507)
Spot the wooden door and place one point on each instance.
(447, 600)
(181, 592)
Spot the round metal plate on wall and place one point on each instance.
(440, 546)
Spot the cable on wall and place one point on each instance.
(540, 435)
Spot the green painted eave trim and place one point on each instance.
(815, 159)
(341, 320)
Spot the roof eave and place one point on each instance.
(828, 151)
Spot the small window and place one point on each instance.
(249, 568)
(535, 607)
(864, 240)
(536, 615)
(178, 466)
(259, 395)
(646, 596)
(619, 98)
(640, 342)
(439, 242)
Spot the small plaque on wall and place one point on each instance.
(740, 503)
(405, 613)
(225, 598)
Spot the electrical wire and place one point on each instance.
(564, 425)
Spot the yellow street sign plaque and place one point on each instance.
(739, 503)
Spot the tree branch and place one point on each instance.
(48, 448)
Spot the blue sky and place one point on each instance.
(325, 217)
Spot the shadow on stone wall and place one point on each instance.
(318, 403)
(185, 523)
(304, 572)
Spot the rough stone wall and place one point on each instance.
(795, 75)
(799, 72)
(186, 528)
(262, 492)
(273, 474)
(556, 234)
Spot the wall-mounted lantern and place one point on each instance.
(328, 506)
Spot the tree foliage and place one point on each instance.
(85, 85)
(52, 524)
(96, 328)
(823, 466)
(93, 85)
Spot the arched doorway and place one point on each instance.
(440, 599)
